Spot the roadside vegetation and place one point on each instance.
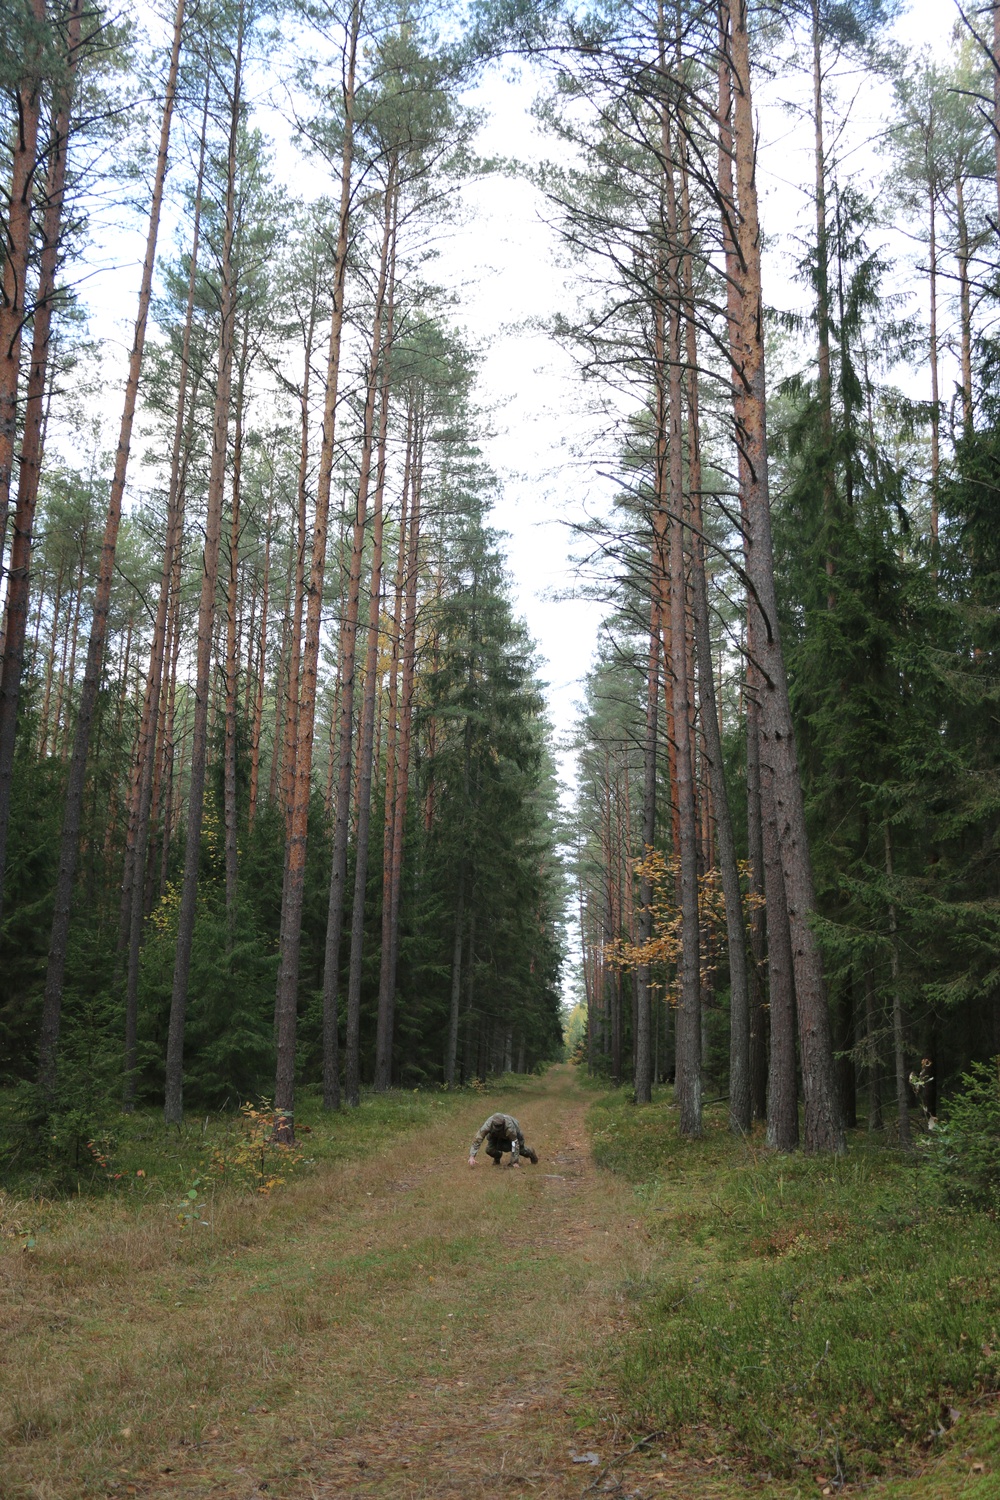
(837, 1318)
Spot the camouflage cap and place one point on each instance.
(498, 1121)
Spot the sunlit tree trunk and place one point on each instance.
(261, 671)
(292, 688)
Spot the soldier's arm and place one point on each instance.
(481, 1135)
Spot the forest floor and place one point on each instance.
(395, 1326)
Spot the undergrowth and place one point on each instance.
(804, 1313)
(134, 1160)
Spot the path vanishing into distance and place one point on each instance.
(398, 1326)
(391, 1326)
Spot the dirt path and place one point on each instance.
(463, 1307)
(399, 1326)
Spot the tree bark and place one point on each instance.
(898, 1027)
(740, 1103)
(397, 789)
(134, 880)
(823, 1126)
(352, 1065)
(230, 810)
(643, 1058)
(286, 1002)
(758, 942)
(965, 305)
(13, 302)
(258, 702)
(72, 817)
(688, 1076)
(782, 1094)
(348, 658)
(16, 618)
(173, 1100)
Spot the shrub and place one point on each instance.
(963, 1149)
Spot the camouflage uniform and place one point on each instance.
(500, 1138)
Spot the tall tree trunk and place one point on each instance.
(352, 1062)
(823, 1126)
(740, 1102)
(397, 761)
(286, 1006)
(16, 619)
(933, 355)
(782, 1093)
(643, 1058)
(348, 658)
(822, 285)
(292, 689)
(173, 1101)
(965, 304)
(688, 1079)
(27, 101)
(258, 703)
(229, 769)
(758, 949)
(72, 817)
(384, 1022)
(898, 1028)
(134, 879)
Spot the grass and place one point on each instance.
(805, 1316)
(136, 1157)
(344, 1319)
(388, 1324)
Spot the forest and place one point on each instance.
(277, 794)
(304, 863)
(279, 806)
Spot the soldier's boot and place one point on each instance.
(530, 1154)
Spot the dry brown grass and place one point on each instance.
(395, 1326)
(392, 1328)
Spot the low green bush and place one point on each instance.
(801, 1313)
(963, 1149)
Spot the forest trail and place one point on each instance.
(465, 1377)
(398, 1326)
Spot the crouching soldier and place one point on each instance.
(501, 1133)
